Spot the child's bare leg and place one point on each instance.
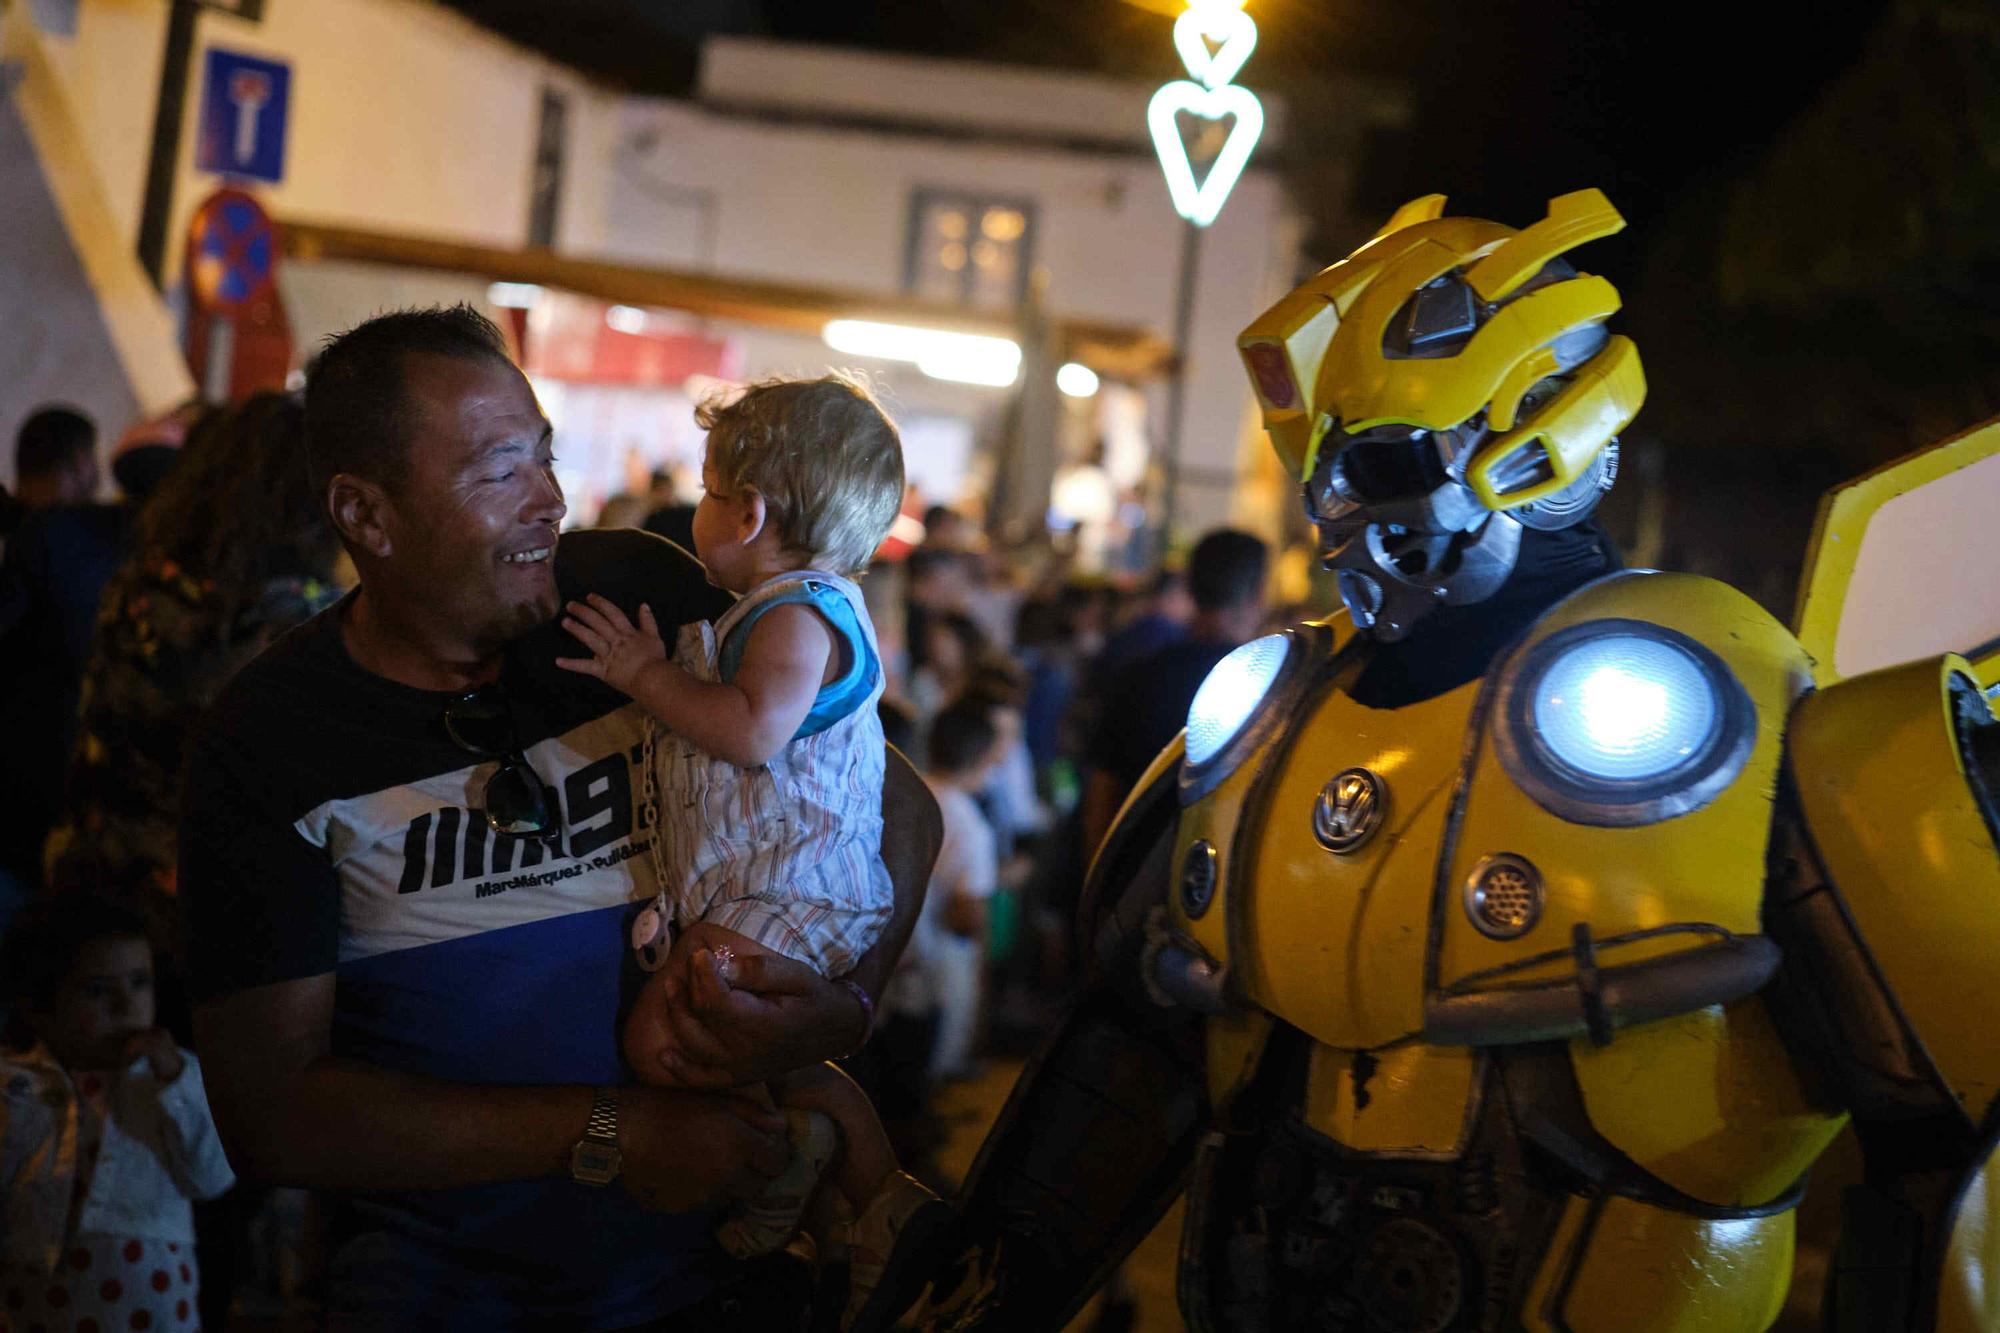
(867, 1161)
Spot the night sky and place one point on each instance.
(1517, 100)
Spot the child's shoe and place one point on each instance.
(761, 1225)
(903, 1234)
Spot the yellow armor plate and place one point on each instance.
(1331, 942)
(1708, 1102)
(1684, 876)
(1617, 1265)
(1410, 1101)
(1969, 1293)
(1883, 790)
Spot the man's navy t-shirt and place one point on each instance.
(330, 825)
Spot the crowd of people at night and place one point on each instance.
(204, 854)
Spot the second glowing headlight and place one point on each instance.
(1223, 707)
(1621, 722)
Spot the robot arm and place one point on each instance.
(1885, 895)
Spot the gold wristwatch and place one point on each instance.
(595, 1158)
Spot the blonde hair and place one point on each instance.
(822, 453)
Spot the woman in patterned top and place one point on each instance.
(230, 552)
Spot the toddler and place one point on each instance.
(769, 775)
(105, 1134)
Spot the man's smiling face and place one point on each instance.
(476, 514)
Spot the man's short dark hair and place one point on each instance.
(1226, 570)
(962, 735)
(358, 414)
(51, 440)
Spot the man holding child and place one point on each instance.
(412, 852)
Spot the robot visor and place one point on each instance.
(1378, 466)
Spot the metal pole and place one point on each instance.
(160, 167)
(1177, 386)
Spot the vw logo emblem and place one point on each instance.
(1349, 809)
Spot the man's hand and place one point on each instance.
(772, 1015)
(161, 1055)
(689, 1150)
(621, 653)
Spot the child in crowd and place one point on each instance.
(105, 1134)
(950, 938)
(769, 771)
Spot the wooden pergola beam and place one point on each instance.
(1117, 351)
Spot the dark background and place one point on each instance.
(1812, 269)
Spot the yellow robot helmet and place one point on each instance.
(1449, 372)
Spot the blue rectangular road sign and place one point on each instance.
(243, 104)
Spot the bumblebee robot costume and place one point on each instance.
(1502, 954)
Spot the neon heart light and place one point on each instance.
(1200, 203)
(1231, 27)
(1211, 97)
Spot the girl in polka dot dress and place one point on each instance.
(105, 1134)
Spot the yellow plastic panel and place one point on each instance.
(1634, 1268)
(1584, 215)
(1412, 1101)
(1708, 1102)
(1333, 943)
(1572, 429)
(1362, 387)
(1235, 1044)
(1703, 867)
(1422, 209)
(1884, 795)
(1912, 545)
(1527, 372)
(1969, 1292)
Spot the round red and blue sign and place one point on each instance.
(232, 252)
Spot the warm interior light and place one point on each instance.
(1076, 379)
(626, 318)
(514, 295)
(965, 358)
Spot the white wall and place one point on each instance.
(784, 199)
(406, 118)
(403, 117)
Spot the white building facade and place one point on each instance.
(955, 185)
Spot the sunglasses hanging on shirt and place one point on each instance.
(516, 802)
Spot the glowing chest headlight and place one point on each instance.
(1621, 722)
(1219, 731)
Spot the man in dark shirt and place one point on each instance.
(1146, 704)
(411, 852)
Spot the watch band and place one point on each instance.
(603, 1123)
(595, 1159)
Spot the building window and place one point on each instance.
(968, 250)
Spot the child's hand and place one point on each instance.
(157, 1046)
(620, 652)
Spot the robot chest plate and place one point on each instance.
(1336, 845)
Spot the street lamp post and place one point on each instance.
(1214, 38)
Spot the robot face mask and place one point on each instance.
(1446, 386)
(1399, 526)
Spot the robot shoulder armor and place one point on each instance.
(1605, 860)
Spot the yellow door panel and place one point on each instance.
(1901, 561)
(1707, 1102)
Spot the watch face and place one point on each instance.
(594, 1163)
